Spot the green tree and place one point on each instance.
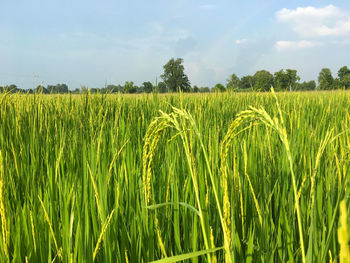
(281, 80)
(10, 88)
(93, 90)
(129, 87)
(246, 82)
(112, 89)
(325, 79)
(195, 89)
(162, 87)
(310, 85)
(174, 76)
(342, 72)
(344, 77)
(293, 78)
(232, 83)
(345, 81)
(40, 89)
(263, 80)
(337, 84)
(147, 87)
(56, 89)
(219, 88)
(204, 89)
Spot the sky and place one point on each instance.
(94, 42)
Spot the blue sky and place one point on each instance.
(92, 42)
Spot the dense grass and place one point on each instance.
(132, 179)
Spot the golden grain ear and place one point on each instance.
(343, 234)
(5, 233)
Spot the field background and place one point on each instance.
(75, 175)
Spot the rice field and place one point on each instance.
(251, 177)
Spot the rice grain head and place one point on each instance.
(343, 234)
(5, 233)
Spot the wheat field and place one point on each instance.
(233, 177)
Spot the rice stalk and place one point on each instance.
(250, 183)
(159, 234)
(115, 157)
(97, 196)
(104, 228)
(33, 231)
(212, 242)
(58, 250)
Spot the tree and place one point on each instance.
(40, 89)
(263, 80)
(56, 89)
(293, 78)
(247, 82)
(346, 81)
(147, 87)
(204, 89)
(51, 89)
(129, 87)
(10, 88)
(136, 89)
(232, 82)
(93, 90)
(195, 89)
(344, 77)
(174, 76)
(162, 87)
(337, 84)
(112, 89)
(342, 72)
(219, 88)
(325, 79)
(281, 80)
(310, 85)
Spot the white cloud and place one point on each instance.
(316, 22)
(241, 41)
(341, 42)
(292, 45)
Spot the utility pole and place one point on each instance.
(35, 81)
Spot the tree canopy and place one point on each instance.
(174, 76)
(147, 87)
(281, 80)
(175, 79)
(232, 83)
(246, 82)
(219, 88)
(263, 80)
(325, 79)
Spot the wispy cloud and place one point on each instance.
(292, 45)
(241, 41)
(316, 22)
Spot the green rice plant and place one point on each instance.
(182, 122)
(174, 178)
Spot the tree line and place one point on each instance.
(174, 79)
